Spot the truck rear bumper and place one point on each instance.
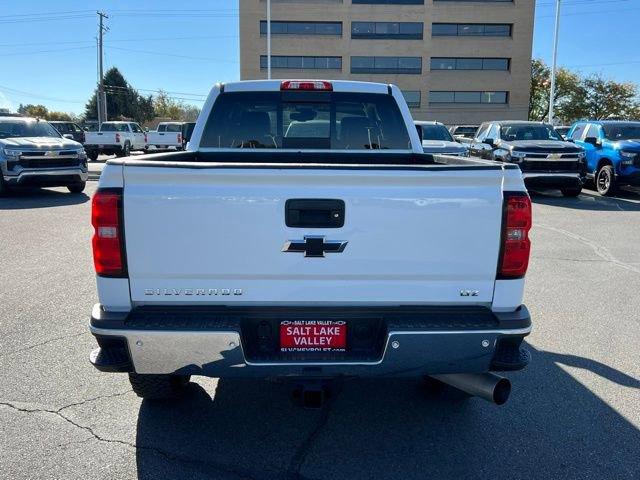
(415, 341)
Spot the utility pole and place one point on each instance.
(101, 99)
(555, 61)
(269, 39)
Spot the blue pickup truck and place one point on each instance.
(613, 152)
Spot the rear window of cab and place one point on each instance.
(306, 120)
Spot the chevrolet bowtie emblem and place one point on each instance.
(314, 246)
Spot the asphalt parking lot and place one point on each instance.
(574, 413)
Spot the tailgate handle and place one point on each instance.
(314, 213)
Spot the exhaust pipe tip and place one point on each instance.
(501, 391)
(488, 386)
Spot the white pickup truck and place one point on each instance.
(338, 249)
(167, 136)
(115, 138)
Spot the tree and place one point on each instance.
(67, 117)
(37, 111)
(123, 101)
(566, 90)
(40, 111)
(601, 99)
(168, 107)
(576, 97)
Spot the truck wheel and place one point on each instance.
(158, 387)
(126, 150)
(93, 156)
(571, 192)
(605, 181)
(77, 187)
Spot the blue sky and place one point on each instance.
(48, 55)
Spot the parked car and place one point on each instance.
(613, 152)
(119, 138)
(546, 160)
(437, 139)
(168, 136)
(262, 254)
(187, 131)
(33, 153)
(563, 130)
(69, 130)
(463, 133)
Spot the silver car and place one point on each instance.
(33, 153)
(437, 139)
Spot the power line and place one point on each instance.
(59, 50)
(163, 54)
(35, 95)
(44, 19)
(157, 90)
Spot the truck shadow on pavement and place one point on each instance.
(624, 201)
(28, 198)
(553, 427)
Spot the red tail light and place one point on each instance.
(108, 238)
(117, 138)
(306, 85)
(180, 138)
(516, 246)
(145, 138)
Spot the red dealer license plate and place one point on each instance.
(313, 336)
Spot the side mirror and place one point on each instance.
(489, 141)
(419, 129)
(68, 136)
(593, 141)
(146, 129)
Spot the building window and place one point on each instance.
(390, 30)
(468, 97)
(412, 97)
(386, 65)
(471, 30)
(441, 63)
(299, 62)
(302, 28)
(388, 2)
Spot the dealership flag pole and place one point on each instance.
(269, 39)
(553, 67)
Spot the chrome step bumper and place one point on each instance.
(219, 352)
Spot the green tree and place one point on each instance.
(37, 111)
(600, 99)
(123, 101)
(566, 91)
(168, 107)
(577, 97)
(68, 117)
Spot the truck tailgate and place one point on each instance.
(216, 235)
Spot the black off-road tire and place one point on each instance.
(77, 187)
(93, 155)
(571, 191)
(125, 152)
(158, 387)
(605, 180)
